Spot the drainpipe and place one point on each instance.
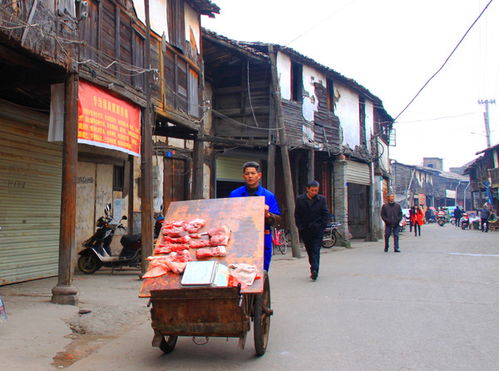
(464, 196)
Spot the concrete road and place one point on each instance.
(435, 306)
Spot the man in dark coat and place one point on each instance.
(391, 213)
(312, 216)
(457, 216)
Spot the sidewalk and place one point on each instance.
(39, 335)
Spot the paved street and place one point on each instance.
(435, 306)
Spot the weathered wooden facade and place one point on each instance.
(149, 59)
(483, 174)
(315, 116)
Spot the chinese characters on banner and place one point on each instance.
(107, 121)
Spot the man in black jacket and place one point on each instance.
(312, 216)
(391, 213)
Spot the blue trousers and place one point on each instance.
(313, 243)
(389, 230)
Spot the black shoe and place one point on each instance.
(314, 275)
(397, 250)
(386, 249)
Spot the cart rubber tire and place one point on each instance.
(330, 242)
(261, 319)
(89, 263)
(168, 345)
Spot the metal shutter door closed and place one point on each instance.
(30, 193)
(358, 173)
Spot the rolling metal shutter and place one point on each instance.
(358, 173)
(30, 196)
(231, 168)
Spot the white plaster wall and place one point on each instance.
(310, 100)
(347, 110)
(369, 107)
(157, 9)
(192, 23)
(284, 74)
(206, 181)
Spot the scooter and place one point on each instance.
(465, 221)
(441, 220)
(97, 252)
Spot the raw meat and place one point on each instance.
(173, 231)
(170, 247)
(174, 262)
(199, 243)
(219, 236)
(183, 239)
(194, 225)
(211, 252)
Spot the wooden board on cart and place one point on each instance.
(244, 216)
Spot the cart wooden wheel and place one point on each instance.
(167, 345)
(261, 318)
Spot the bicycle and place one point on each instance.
(280, 239)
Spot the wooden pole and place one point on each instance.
(146, 155)
(271, 146)
(288, 183)
(311, 165)
(64, 293)
(198, 153)
(131, 194)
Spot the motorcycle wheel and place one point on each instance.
(89, 263)
(441, 223)
(329, 239)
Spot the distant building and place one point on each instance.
(484, 177)
(429, 186)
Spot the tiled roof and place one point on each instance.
(206, 7)
(215, 36)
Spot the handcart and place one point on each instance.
(201, 311)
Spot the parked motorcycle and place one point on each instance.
(97, 252)
(465, 221)
(441, 220)
(331, 235)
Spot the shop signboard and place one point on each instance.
(107, 121)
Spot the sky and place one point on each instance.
(392, 47)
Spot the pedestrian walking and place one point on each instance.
(411, 218)
(458, 213)
(484, 218)
(311, 217)
(417, 220)
(391, 213)
(252, 175)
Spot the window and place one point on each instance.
(330, 95)
(296, 82)
(176, 28)
(118, 178)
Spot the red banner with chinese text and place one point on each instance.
(107, 121)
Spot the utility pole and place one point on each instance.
(486, 117)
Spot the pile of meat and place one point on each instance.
(177, 238)
(182, 235)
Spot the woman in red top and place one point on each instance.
(417, 220)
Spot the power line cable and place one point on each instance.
(445, 62)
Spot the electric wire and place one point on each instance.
(445, 62)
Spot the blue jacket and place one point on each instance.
(273, 208)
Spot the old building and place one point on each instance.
(301, 120)
(111, 76)
(483, 174)
(429, 185)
